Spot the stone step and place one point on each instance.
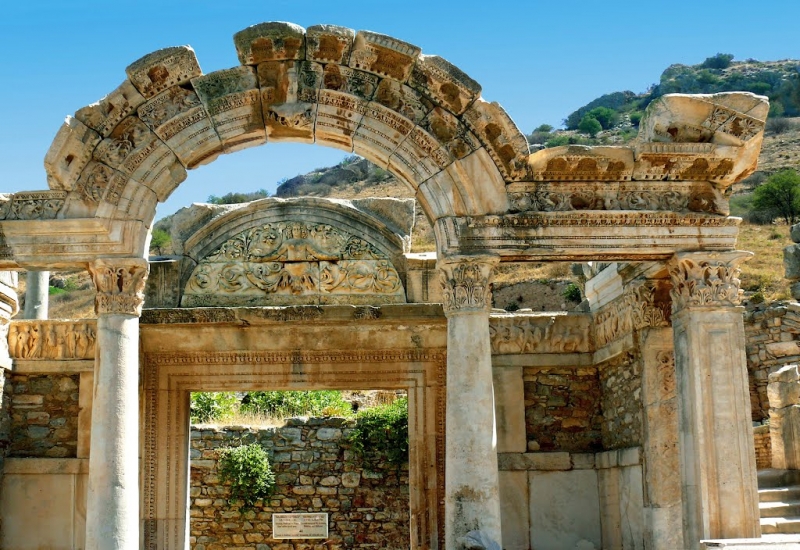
(779, 494)
(772, 478)
(785, 526)
(780, 509)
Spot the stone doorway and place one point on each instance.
(178, 359)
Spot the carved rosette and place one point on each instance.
(120, 286)
(706, 279)
(466, 284)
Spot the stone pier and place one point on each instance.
(718, 471)
(472, 497)
(113, 499)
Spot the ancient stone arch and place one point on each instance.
(660, 203)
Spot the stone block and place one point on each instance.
(445, 83)
(104, 115)
(509, 410)
(271, 41)
(565, 510)
(163, 69)
(514, 512)
(783, 389)
(329, 43)
(791, 262)
(69, 153)
(383, 55)
(534, 461)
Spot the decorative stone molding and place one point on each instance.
(31, 205)
(54, 340)
(120, 286)
(517, 334)
(706, 279)
(641, 306)
(466, 284)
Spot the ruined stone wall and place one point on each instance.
(315, 471)
(772, 336)
(621, 384)
(562, 409)
(763, 445)
(44, 415)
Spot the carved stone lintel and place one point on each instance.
(120, 285)
(466, 283)
(706, 279)
(642, 305)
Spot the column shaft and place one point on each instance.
(37, 294)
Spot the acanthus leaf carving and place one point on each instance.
(120, 286)
(641, 306)
(706, 279)
(466, 284)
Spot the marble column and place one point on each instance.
(112, 511)
(718, 471)
(472, 497)
(37, 294)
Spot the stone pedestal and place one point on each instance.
(718, 471)
(783, 392)
(472, 498)
(113, 498)
(37, 294)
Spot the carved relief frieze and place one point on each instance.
(581, 163)
(570, 196)
(706, 279)
(610, 219)
(642, 305)
(329, 43)
(519, 334)
(383, 55)
(304, 260)
(734, 123)
(120, 286)
(501, 137)
(162, 69)
(37, 205)
(53, 340)
(466, 284)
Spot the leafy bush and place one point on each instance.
(55, 291)
(636, 117)
(608, 118)
(236, 198)
(209, 406)
(572, 292)
(557, 141)
(160, 241)
(543, 128)
(382, 431)
(590, 125)
(248, 470)
(284, 404)
(779, 125)
(719, 61)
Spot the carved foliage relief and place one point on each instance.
(642, 306)
(706, 280)
(294, 263)
(120, 286)
(41, 205)
(466, 285)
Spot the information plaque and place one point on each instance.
(300, 526)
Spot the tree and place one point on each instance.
(544, 128)
(590, 125)
(780, 196)
(719, 61)
(159, 241)
(607, 118)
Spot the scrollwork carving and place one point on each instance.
(640, 306)
(120, 286)
(43, 205)
(706, 279)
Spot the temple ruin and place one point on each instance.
(624, 426)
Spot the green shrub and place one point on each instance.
(209, 406)
(572, 292)
(382, 432)
(780, 196)
(248, 470)
(543, 128)
(55, 291)
(719, 61)
(285, 404)
(608, 118)
(590, 125)
(557, 141)
(636, 117)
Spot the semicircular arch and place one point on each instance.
(415, 115)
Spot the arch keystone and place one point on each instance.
(270, 41)
(162, 69)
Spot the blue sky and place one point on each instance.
(541, 60)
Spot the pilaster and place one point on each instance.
(718, 472)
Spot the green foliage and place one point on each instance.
(616, 101)
(382, 431)
(284, 404)
(719, 61)
(636, 118)
(557, 141)
(544, 128)
(236, 198)
(248, 470)
(780, 196)
(159, 241)
(209, 406)
(572, 293)
(608, 118)
(55, 291)
(590, 125)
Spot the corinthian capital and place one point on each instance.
(120, 285)
(706, 279)
(466, 283)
